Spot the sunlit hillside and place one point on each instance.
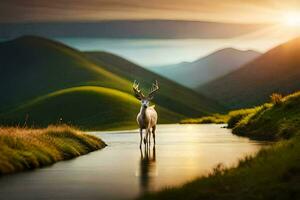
(87, 107)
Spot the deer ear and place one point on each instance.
(138, 97)
(150, 98)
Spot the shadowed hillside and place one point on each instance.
(208, 68)
(278, 70)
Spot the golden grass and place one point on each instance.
(212, 119)
(25, 148)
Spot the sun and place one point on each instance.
(292, 19)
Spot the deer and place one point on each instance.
(147, 117)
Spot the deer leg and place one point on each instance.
(153, 133)
(149, 136)
(141, 135)
(154, 153)
(146, 136)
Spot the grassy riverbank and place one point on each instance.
(273, 121)
(274, 173)
(23, 148)
(212, 119)
(231, 118)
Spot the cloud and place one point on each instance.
(247, 11)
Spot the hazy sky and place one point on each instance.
(245, 11)
(281, 13)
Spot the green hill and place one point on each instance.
(88, 107)
(39, 76)
(171, 95)
(33, 66)
(278, 70)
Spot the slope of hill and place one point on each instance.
(208, 68)
(33, 67)
(88, 107)
(278, 70)
(184, 101)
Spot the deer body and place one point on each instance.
(147, 117)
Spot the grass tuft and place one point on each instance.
(276, 98)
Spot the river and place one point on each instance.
(123, 171)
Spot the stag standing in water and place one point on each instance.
(147, 117)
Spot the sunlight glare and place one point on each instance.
(292, 19)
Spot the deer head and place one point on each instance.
(139, 95)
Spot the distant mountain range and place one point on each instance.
(167, 29)
(277, 70)
(43, 81)
(208, 68)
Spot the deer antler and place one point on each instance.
(153, 89)
(137, 92)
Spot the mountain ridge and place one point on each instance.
(275, 71)
(207, 68)
(132, 71)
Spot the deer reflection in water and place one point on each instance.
(147, 167)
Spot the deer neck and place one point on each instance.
(143, 112)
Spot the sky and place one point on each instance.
(282, 15)
(237, 11)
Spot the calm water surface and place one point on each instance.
(123, 171)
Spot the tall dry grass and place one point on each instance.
(26, 148)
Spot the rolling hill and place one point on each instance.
(33, 66)
(87, 107)
(208, 68)
(35, 69)
(184, 100)
(278, 70)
